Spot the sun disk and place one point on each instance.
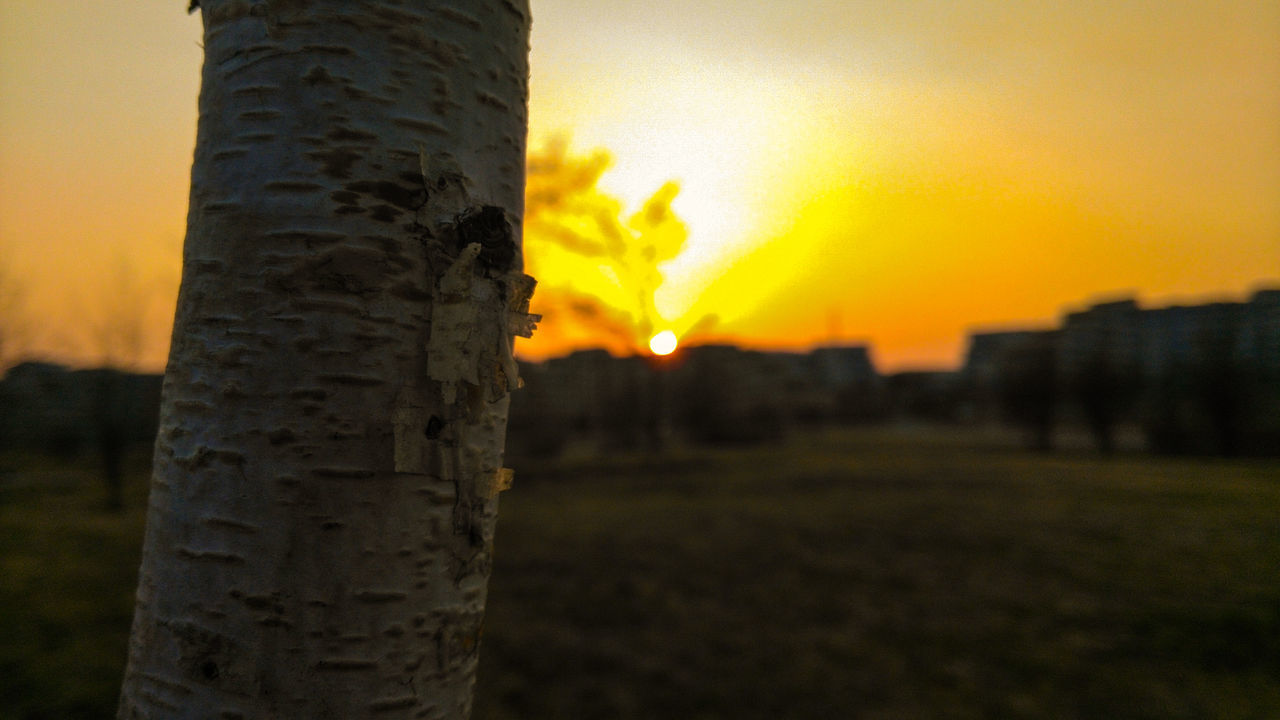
(664, 343)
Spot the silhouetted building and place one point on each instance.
(1259, 339)
(986, 375)
(1196, 377)
(51, 408)
(843, 366)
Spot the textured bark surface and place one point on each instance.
(324, 494)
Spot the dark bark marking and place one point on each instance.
(425, 126)
(254, 90)
(343, 473)
(489, 227)
(347, 134)
(209, 266)
(203, 456)
(408, 198)
(260, 602)
(260, 115)
(204, 654)
(356, 93)
(459, 17)
(352, 379)
(384, 213)
(346, 664)
(166, 683)
(234, 525)
(341, 50)
(343, 270)
(381, 596)
(397, 703)
(398, 16)
(492, 101)
(212, 556)
(158, 701)
(516, 10)
(434, 426)
(293, 186)
(318, 75)
(281, 436)
(335, 163)
(308, 237)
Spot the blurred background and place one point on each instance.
(969, 402)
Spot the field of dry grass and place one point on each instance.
(852, 573)
(887, 574)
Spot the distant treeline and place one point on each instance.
(1201, 379)
(53, 409)
(102, 413)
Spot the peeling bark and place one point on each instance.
(325, 484)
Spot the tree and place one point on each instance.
(1028, 387)
(12, 321)
(118, 331)
(1220, 385)
(323, 496)
(1105, 388)
(595, 267)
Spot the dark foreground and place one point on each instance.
(854, 574)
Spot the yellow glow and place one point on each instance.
(875, 176)
(736, 151)
(664, 343)
(597, 267)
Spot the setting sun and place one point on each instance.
(664, 343)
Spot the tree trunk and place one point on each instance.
(330, 449)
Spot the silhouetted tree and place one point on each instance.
(1165, 421)
(110, 431)
(9, 321)
(1028, 388)
(1219, 385)
(540, 423)
(13, 324)
(118, 330)
(1104, 389)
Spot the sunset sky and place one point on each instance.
(886, 172)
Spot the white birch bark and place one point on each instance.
(324, 493)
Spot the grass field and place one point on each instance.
(849, 574)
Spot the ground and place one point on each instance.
(865, 573)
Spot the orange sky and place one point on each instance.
(887, 172)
